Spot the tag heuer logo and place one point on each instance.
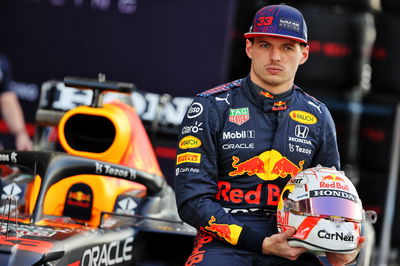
(239, 116)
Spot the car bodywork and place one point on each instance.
(95, 196)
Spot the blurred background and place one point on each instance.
(172, 50)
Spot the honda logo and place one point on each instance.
(301, 131)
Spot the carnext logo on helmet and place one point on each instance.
(289, 24)
(335, 236)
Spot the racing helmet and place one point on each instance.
(279, 21)
(323, 206)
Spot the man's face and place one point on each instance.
(275, 61)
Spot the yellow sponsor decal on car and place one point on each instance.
(303, 117)
(188, 157)
(189, 142)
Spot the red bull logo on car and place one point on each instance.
(78, 198)
(333, 181)
(268, 166)
(228, 232)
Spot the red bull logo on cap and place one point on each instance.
(268, 166)
(229, 232)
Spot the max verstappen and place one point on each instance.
(242, 141)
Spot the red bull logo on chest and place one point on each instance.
(269, 165)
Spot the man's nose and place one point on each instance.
(275, 54)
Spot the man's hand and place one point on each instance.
(278, 245)
(22, 141)
(337, 259)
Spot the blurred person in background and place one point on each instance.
(242, 141)
(11, 110)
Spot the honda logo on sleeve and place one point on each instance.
(301, 131)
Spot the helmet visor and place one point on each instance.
(327, 207)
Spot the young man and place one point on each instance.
(242, 141)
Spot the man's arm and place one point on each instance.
(196, 178)
(14, 118)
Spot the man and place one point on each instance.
(242, 141)
(11, 109)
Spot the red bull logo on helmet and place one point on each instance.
(333, 181)
(268, 166)
(229, 232)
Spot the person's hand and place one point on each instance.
(278, 245)
(23, 141)
(338, 259)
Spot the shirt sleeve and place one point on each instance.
(196, 177)
(5, 74)
(327, 154)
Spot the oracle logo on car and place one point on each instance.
(111, 253)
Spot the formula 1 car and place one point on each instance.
(95, 196)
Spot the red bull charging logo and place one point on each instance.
(252, 166)
(228, 232)
(268, 166)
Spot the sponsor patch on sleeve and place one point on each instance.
(188, 157)
(189, 142)
(303, 117)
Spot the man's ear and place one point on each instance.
(305, 52)
(249, 47)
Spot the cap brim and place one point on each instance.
(260, 34)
